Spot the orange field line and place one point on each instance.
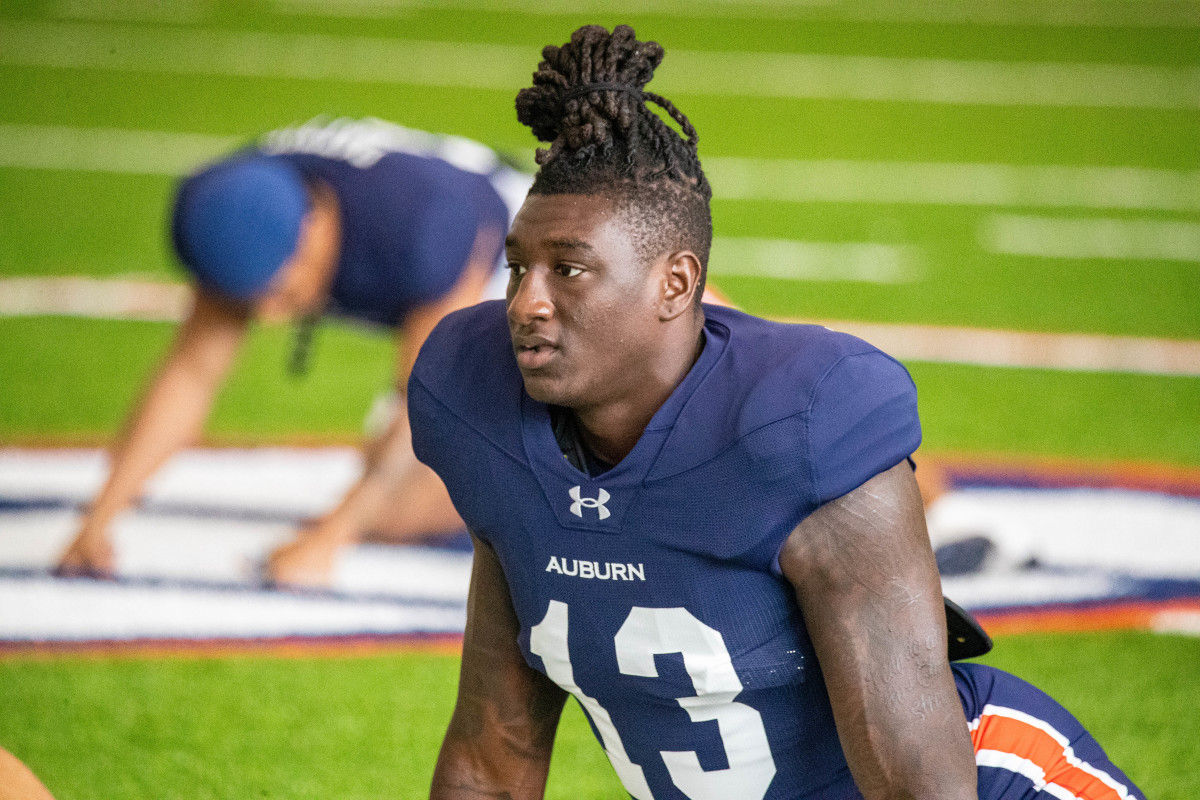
(289, 647)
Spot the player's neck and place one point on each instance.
(611, 430)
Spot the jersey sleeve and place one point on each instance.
(863, 420)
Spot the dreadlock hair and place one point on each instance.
(588, 102)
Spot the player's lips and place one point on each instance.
(533, 352)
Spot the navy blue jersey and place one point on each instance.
(652, 591)
(411, 205)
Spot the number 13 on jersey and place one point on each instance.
(648, 632)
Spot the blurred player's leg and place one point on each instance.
(420, 507)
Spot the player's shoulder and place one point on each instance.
(776, 369)
(465, 383)
(825, 407)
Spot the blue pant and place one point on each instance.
(1028, 746)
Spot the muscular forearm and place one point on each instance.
(900, 723)
(486, 763)
(502, 733)
(868, 587)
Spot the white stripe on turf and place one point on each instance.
(917, 183)
(733, 178)
(1065, 13)
(507, 67)
(1001, 348)
(191, 572)
(89, 297)
(1069, 13)
(77, 296)
(787, 259)
(117, 150)
(1104, 238)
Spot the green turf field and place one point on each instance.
(174, 67)
(1119, 144)
(369, 727)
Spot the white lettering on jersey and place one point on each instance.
(582, 502)
(597, 570)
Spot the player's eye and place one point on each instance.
(516, 269)
(567, 271)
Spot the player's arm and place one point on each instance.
(391, 470)
(868, 587)
(169, 415)
(502, 732)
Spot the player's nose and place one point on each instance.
(529, 298)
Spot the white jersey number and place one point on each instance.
(648, 632)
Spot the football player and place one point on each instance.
(358, 218)
(702, 525)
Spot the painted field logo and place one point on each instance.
(589, 502)
(595, 570)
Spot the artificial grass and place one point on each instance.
(355, 728)
(370, 727)
(1131, 689)
(80, 394)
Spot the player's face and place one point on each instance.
(581, 304)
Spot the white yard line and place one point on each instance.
(924, 183)
(1001, 348)
(498, 66)
(786, 259)
(1104, 238)
(109, 149)
(94, 297)
(127, 299)
(733, 178)
(1084, 13)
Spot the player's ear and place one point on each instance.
(680, 279)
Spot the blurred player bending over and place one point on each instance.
(362, 219)
(701, 524)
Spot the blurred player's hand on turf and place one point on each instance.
(308, 560)
(89, 556)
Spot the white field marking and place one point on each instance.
(1092, 537)
(957, 345)
(1108, 238)
(916, 183)
(1101, 13)
(172, 11)
(108, 149)
(862, 262)
(1091, 531)
(1001, 348)
(94, 297)
(1181, 621)
(497, 66)
(733, 178)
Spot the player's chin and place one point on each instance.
(547, 388)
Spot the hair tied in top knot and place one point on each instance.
(588, 88)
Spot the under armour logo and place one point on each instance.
(589, 502)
